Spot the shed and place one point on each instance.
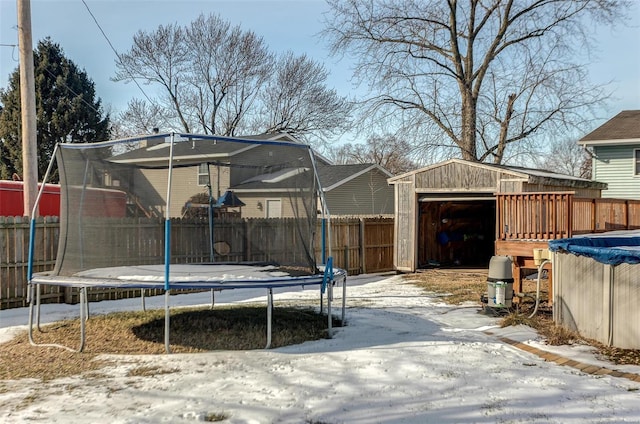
(445, 214)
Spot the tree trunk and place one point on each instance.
(504, 130)
(468, 136)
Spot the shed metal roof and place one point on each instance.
(531, 175)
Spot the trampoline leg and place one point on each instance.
(38, 301)
(344, 300)
(142, 298)
(31, 305)
(35, 303)
(321, 302)
(213, 298)
(84, 306)
(329, 297)
(269, 311)
(166, 321)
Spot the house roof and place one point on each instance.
(332, 176)
(193, 148)
(198, 149)
(288, 178)
(622, 128)
(531, 175)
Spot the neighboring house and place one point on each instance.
(615, 149)
(358, 189)
(201, 165)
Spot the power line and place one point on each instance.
(13, 50)
(115, 51)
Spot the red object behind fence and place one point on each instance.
(97, 202)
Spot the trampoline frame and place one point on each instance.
(330, 276)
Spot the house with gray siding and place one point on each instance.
(356, 189)
(615, 149)
(202, 165)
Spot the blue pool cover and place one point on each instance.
(613, 249)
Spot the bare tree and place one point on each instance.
(229, 68)
(481, 75)
(388, 151)
(297, 100)
(209, 73)
(566, 156)
(141, 117)
(216, 78)
(159, 58)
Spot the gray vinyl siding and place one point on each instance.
(614, 165)
(368, 194)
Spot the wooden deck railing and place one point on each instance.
(534, 216)
(547, 216)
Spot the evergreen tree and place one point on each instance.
(66, 109)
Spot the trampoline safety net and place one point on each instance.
(237, 200)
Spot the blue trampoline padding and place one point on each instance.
(606, 250)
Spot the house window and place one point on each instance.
(636, 162)
(203, 174)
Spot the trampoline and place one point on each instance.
(122, 202)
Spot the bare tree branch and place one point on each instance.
(487, 73)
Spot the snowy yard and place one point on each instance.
(404, 357)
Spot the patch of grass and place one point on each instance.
(453, 286)
(457, 286)
(213, 417)
(192, 330)
(150, 371)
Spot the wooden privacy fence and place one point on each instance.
(360, 245)
(554, 215)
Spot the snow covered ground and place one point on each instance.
(404, 357)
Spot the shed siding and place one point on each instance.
(511, 185)
(614, 165)
(368, 194)
(456, 176)
(405, 228)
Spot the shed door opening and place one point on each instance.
(457, 233)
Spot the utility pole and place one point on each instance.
(28, 107)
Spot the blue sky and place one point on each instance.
(284, 24)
